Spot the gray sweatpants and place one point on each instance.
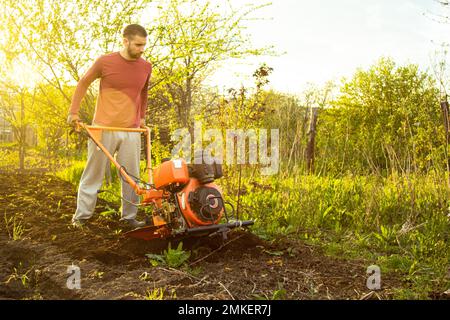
(127, 146)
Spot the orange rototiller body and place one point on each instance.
(184, 197)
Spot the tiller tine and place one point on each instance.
(149, 233)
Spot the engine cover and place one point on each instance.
(171, 173)
(206, 202)
(201, 204)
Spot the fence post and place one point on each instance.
(445, 115)
(310, 148)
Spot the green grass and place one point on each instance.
(35, 158)
(401, 223)
(14, 226)
(74, 172)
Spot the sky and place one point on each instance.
(322, 40)
(329, 39)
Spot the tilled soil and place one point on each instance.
(35, 266)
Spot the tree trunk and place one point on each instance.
(445, 114)
(22, 139)
(188, 105)
(310, 148)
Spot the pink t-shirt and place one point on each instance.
(122, 99)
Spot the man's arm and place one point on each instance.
(93, 73)
(144, 97)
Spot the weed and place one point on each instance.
(155, 294)
(145, 276)
(173, 258)
(176, 257)
(196, 271)
(18, 276)
(279, 294)
(98, 274)
(156, 259)
(14, 226)
(109, 213)
(158, 294)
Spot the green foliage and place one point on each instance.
(159, 294)
(173, 258)
(387, 236)
(401, 222)
(190, 40)
(155, 294)
(292, 115)
(73, 172)
(385, 119)
(19, 275)
(156, 259)
(110, 213)
(14, 226)
(279, 294)
(371, 204)
(97, 274)
(196, 271)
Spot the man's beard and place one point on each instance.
(133, 55)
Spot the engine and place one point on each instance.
(198, 198)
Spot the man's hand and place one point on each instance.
(142, 123)
(73, 120)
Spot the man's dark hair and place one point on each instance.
(134, 30)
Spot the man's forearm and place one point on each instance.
(93, 73)
(144, 103)
(144, 99)
(78, 96)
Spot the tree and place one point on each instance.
(190, 40)
(386, 119)
(60, 39)
(15, 103)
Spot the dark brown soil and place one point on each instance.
(115, 267)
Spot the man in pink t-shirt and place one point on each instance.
(122, 102)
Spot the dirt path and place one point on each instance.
(114, 267)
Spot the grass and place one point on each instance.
(18, 275)
(401, 223)
(14, 227)
(155, 294)
(34, 159)
(159, 294)
(73, 172)
(73, 175)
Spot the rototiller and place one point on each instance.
(184, 198)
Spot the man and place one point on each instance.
(122, 102)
